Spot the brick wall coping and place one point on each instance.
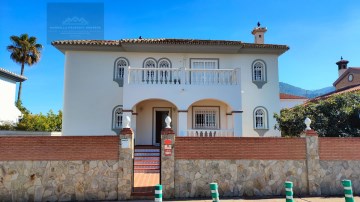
(41, 148)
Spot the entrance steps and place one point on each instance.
(147, 159)
(146, 172)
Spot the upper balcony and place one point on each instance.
(181, 76)
(181, 86)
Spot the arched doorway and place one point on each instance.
(150, 120)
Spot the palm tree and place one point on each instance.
(25, 51)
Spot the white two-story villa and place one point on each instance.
(207, 87)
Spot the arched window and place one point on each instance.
(119, 69)
(117, 119)
(150, 76)
(260, 118)
(164, 74)
(164, 63)
(259, 73)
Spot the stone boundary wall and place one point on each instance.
(221, 148)
(333, 148)
(260, 166)
(59, 180)
(61, 168)
(237, 178)
(32, 148)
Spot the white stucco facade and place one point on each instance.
(227, 95)
(9, 113)
(290, 103)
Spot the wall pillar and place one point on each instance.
(182, 122)
(133, 123)
(168, 163)
(126, 154)
(237, 123)
(313, 162)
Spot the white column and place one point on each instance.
(133, 122)
(237, 124)
(230, 121)
(182, 123)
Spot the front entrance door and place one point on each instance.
(159, 123)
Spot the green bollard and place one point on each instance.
(348, 190)
(289, 191)
(158, 192)
(214, 192)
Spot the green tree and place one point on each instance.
(35, 122)
(335, 116)
(40, 122)
(25, 51)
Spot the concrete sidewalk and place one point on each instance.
(308, 199)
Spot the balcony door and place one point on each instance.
(199, 75)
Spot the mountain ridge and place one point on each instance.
(293, 90)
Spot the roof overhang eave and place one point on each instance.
(13, 77)
(171, 48)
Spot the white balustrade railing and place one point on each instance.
(211, 76)
(153, 76)
(209, 133)
(177, 76)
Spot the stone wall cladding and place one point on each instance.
(240, 148)
(58, 180)
(339, 148)
(167, 165)
(125, 173)
(239, 177)
(332, 172)
(312, 164)
(59, 148)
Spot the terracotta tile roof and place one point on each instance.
(87, 42)
(347, 89)
(350, 70)
(167, 41)
(11, 75)
(274, 46)
(288, 96)
(181, 41)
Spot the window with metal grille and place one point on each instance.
(119, 69)
(150, 75)
(260, 118)
(121, 64)
(164, 75)
(258, 70)
(117, 117)
(206, 117)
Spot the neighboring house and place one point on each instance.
(290, 101)
(349, 89)
(348, 80)
(8, 111)
(347, 76)
(207, 87)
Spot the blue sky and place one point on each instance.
(318, 33)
